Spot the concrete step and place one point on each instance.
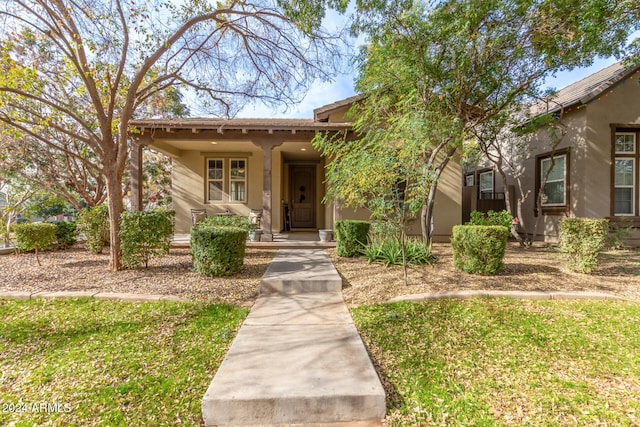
(297, 360)
(297, 271)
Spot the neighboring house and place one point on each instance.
(237, 165)
(595, 166)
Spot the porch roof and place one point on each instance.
(243, 125)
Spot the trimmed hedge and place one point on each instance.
(479, 249)
(38, 236)
(352, 237)
(66, 234)
(226, 221)
(218, 251)
(145, 235)
(503, 218)
(582, 239)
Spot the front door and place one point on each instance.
(302, 193)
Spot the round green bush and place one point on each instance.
(479, 249)
(352, 237)
(66, 234)
(34, 236)
(218, 251)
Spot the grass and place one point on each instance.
(506, 362)
(106, 363)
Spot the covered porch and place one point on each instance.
(238, 165)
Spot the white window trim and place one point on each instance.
(634, 142)
(632, 186)
(480, 182)
(466, 180)
(545, 182)
(231, 180)
(226, 180)
(209, 180)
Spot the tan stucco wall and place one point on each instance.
(188, 183)
(589, 137)
(622, 106)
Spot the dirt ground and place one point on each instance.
(536, 269)
(76, 269)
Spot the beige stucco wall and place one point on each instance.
(188, 184)
(589, 137)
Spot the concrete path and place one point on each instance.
(298, 358)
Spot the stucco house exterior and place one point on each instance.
(239, 165)
(594, 172)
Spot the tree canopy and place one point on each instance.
(433, 72)
(73, 74)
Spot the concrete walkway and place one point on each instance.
(298, 358)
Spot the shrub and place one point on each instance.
(227, 221)
(502, 218)
(218, 251)
(145, 235)
(351, 237)
(620, 232)
(389, 252)
(94, 224)
(479, 249)
(66, 234)
(34, 236)
(582, 239)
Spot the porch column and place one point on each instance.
(135, 168)
(267, 182)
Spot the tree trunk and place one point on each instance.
(114, 192)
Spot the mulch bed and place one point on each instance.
(540, 268)
(75, 269)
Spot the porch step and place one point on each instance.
(297, 271)
(298, 359)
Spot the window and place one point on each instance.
(486, 185)
(216, 180)
(469, 180)
(238, 180)
(552, 176)
(555, 186)
(226, 180)
(624, 173)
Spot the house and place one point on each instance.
(239, 165)
(592, 171)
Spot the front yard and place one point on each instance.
(489, 362)
(472, 362)
(89, 362)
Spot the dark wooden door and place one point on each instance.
(302, 193)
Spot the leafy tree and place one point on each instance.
(83, 69)
(17, 196)
(433, 72)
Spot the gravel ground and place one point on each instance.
(534, 269)
(76, 269)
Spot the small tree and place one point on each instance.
(35, 237)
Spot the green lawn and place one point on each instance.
(102, 363)
(507, 362)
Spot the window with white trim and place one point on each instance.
(215, 180)
(486, 185)
(624, 174)
(226, 180)
(555, 186)
(238, 180)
